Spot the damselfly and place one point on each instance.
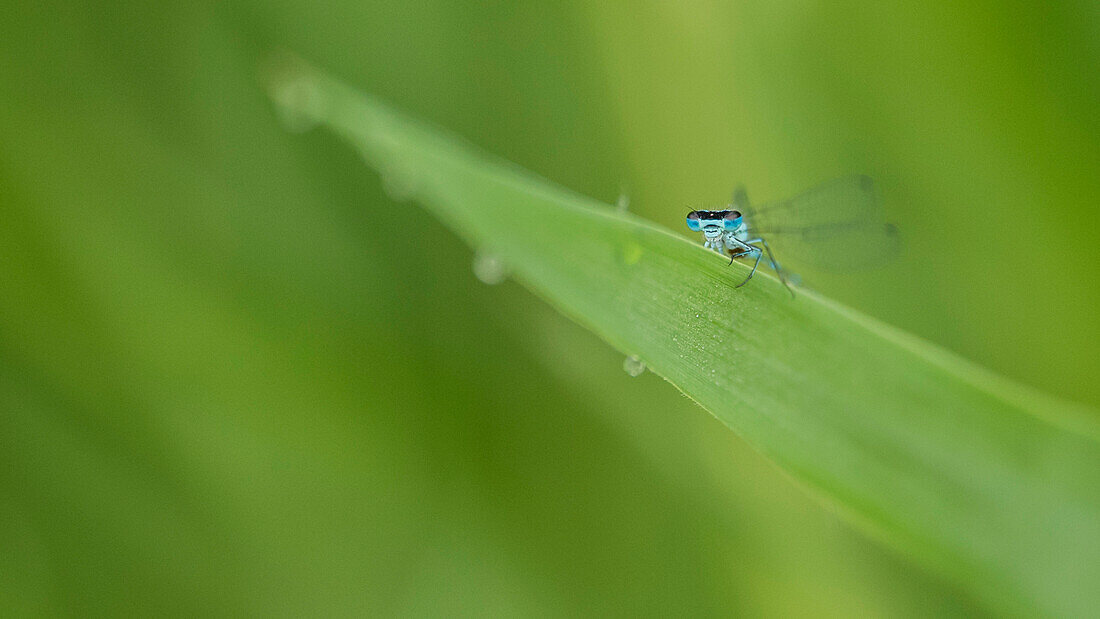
(836, 225)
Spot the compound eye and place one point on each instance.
(731, 220)
(693, 221)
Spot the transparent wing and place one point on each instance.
(836, 225)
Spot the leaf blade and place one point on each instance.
(986, 483)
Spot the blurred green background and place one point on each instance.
(236, 379)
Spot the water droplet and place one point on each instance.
(298, 101)
(622, 205)
(633, 365)
(489, 269)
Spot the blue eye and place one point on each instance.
(693, 221)
(731, 220)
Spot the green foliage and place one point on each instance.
(994, 487)
(237, 379)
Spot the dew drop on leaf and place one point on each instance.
(633, 365)
(489, 269)
(298, 102)
(622, 205)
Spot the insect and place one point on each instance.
(835, 226)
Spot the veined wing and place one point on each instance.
(837, 225)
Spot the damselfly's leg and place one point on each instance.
(754, 265)
(746, 249)
(775, 265)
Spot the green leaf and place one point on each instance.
(992, 486)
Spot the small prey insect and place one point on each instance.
(835, 226)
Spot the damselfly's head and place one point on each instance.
(713, 222)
